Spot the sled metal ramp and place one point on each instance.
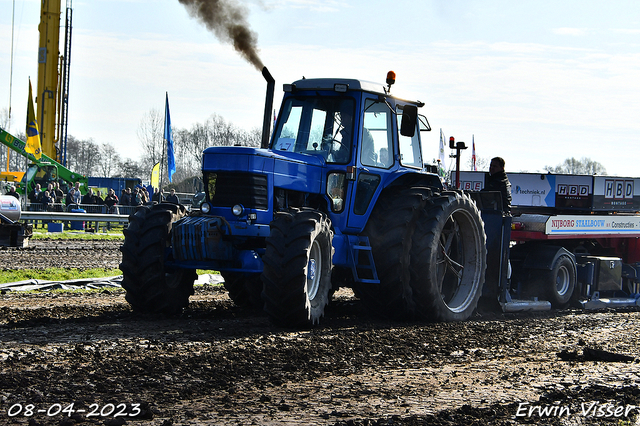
(522, 305)
(597, 302)
(515, 305)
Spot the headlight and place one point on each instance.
(237, 210)
(205, 207)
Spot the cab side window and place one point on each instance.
(377, 136)
(410, 153)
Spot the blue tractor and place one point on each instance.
(337, 196)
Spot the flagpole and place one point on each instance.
(164, 146)
(13, 14)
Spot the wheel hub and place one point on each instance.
(312, 269)
(562, 281)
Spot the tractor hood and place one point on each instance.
(290, 170)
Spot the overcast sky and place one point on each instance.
(536, 82)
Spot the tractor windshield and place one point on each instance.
(320, 126)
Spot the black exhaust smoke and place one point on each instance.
(227, 20)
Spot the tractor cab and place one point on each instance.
(364, 137)
(44, 174)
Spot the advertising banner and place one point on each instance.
(592, 225)
(611, 193)
(539, 190)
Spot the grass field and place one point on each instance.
(114, 234)
(64, 274)
(56, 274)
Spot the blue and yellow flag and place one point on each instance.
(171, 161)
(33, 136)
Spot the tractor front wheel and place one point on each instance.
(151, 286)
(297, 268)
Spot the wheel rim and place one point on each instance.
(314, 266)
(458, 259)
(562, 281)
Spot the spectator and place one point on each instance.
(88, 197)
(125, 197)
(77, 194)
(59, 195)
(12, 192)
(97, 198)
(36, 194)
(110, 201)
(47, 201)
(136, 197)
(145, 195)
(158, 196)
(69, 200)
(51, 188)
(498, 181)
(172, 197)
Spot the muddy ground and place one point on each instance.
(68, 358)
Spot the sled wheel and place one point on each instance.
(560, 281)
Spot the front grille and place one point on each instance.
(228, 189)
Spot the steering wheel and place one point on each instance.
(330, 140)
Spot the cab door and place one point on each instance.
(375, 157)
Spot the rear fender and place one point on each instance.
(544, 257)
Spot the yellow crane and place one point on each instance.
(53, 79)
(48, 81)
(53, 84)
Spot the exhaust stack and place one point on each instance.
(268, 106)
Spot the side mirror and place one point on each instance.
(409, 120)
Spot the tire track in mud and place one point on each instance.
(81, 254)
(217, 364)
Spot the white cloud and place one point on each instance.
(570, 31)
(626, 31)
(314, 5)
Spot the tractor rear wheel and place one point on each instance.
(448, 259)
(391, 233)
(151, 286)
(244, 290)
(297, 268)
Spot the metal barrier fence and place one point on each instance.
(72, 219)
(93, 213)
(88, 208)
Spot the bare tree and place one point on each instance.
(82, 155)
(130, 168)
(584, 166)
(482, 164)
(151, 136)
(188, 145)
(16, 161)
(5, 120)
(109, 160)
